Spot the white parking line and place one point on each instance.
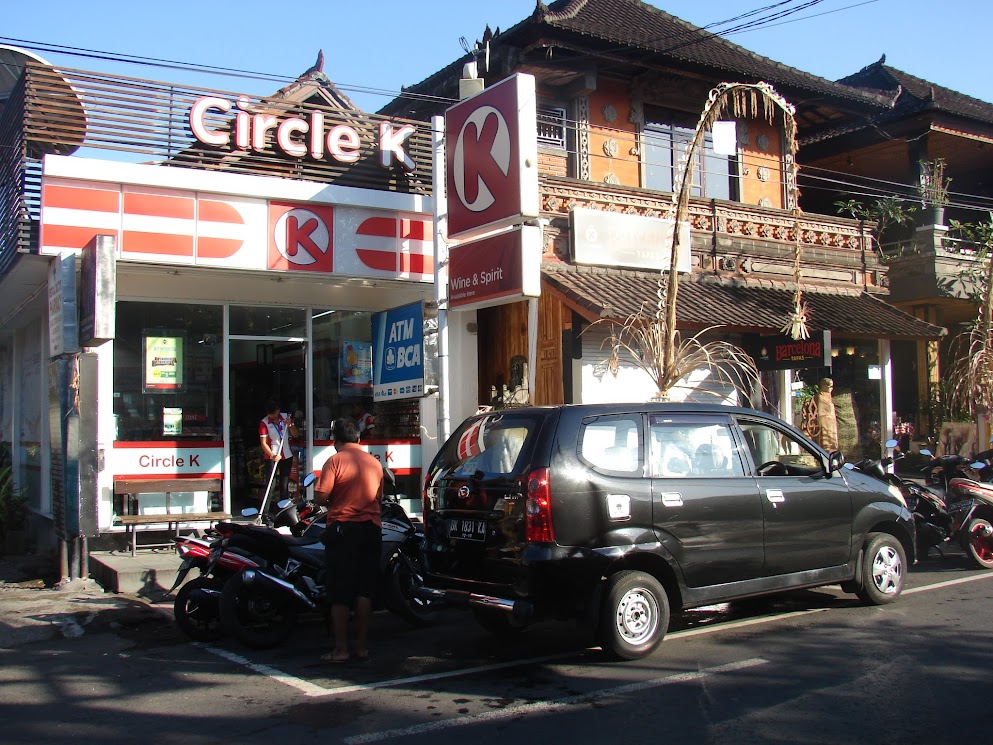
(313, 690)
(552, 705)
(948, 583)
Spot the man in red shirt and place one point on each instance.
(351, 484)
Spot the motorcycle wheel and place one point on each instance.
(404, 577)
(977, 540)
(253, 616)
(197, 617)
(883, 570)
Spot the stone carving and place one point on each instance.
(610, 147)
(609, 113)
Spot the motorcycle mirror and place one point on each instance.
(849, 466)
(891, 443)
(925, 451)
(309, 479)
(978, 465)
(249, 512)
(284, 503)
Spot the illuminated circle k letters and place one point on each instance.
(301, 237)
(482, 158)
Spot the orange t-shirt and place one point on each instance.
(354, 481)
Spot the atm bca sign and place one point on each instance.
(492, 158)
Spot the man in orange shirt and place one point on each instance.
(351, 484)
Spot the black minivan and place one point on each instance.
(613, 514)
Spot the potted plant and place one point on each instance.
(933, 189)
(13, 512)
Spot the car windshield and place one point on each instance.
(491, 444)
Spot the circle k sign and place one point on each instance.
(492, 158)
(301, 237)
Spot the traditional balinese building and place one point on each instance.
(881, 155)
(621, 86)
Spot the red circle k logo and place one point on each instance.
(482, 158)
(301, 237)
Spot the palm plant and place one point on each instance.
(970, 377)
(653, 341)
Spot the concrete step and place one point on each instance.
(147, 574)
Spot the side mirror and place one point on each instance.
(308, 480)
(250, 512)
(282, 504)
(978, 465)
(836, 461)
(925, 451)
(891, 443)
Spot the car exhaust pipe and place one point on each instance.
(261, 579)
(520, 609)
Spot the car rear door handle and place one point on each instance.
(672, 499)
(775, 495)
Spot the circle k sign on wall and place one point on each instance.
(301, 237)
(491, 158)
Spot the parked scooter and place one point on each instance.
(963, 516)
(229, 548)
(970, 506)
(260, 605)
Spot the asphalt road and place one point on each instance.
(811, 666)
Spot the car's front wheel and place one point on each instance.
(635, 615)
(884, 565)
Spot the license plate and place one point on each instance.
(467, 530)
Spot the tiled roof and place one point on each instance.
(639, 25)
(631, 30)
(703, 302)
(915, 94)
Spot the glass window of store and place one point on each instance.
(854, 391)
(168, 382)
(667, 136)
(342, 371)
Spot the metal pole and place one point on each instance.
(63, 561)
(441, 273)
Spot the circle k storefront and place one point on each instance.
(275, 255)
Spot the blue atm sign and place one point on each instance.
(398, 353)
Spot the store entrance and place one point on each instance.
(262, 369)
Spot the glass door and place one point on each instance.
(263, 369)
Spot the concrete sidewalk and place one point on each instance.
(33, 609)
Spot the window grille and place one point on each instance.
(551, 127)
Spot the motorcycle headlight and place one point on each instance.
(897, 494)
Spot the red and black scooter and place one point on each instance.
(228, 549)
(963, 515)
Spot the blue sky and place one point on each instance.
(386, 44)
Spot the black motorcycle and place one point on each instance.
(227, 549)
(260, 605)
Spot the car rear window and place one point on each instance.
(491, 444)
(612, 443)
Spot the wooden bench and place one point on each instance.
(134, 488)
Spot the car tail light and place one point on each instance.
(539, 508)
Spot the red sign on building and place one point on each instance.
(491, 158)
(495, 270)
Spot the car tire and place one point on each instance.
(978, 542)
(635, 615)
(884, 564)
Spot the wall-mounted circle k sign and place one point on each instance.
(492, 158)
